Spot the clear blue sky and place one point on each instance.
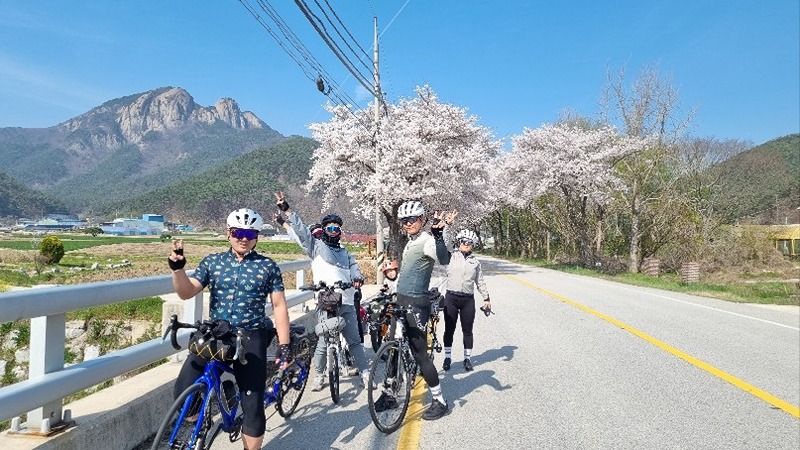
(511, 63)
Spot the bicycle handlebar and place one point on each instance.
(175, 325)
(322, 285)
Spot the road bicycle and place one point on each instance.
(380, 319)
(392, 372)
(211, 405)
(329, 328)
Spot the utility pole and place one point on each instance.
(378, 226)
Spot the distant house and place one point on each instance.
(149, 224)
(55, 222)
(786, 239)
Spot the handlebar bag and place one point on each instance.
(214, 340)
(329, 300)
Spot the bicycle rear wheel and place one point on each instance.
(389, 389)
(180, 428)
(333, 374)
(293, 384)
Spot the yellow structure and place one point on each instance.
(787, 239)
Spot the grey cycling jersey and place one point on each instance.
(420, 254)
(463, 273)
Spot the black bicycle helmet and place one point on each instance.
(331, 218)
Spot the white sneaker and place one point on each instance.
(319, 382)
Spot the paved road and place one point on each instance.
(570, 362)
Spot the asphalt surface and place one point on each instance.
(570, 362)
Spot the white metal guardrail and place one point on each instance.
(42, 394)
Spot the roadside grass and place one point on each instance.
(728, 288)
(147, 308)
(74, 241)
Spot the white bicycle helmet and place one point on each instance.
(411, 208)
(467, 234)
(246, 219)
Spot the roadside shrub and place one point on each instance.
(52, 249)
(94, 231)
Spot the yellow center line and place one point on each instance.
(409, 434)
(763, 395)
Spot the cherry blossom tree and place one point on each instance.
(422, 149)
(570, 163)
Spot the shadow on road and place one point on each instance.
(494, 266)
(457, 391)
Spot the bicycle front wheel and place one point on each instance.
(181, 427)
(333, 374)
(293, 384)
(389, 389)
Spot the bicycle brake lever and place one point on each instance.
(172, 330)
(239, 351)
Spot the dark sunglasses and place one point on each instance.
(409, 220)
(333, 228)
(466, 241)
(238, 233)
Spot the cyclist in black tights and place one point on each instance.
(420, 254)
(463, 274)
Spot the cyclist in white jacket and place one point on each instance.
(330, 262)
(463, 275)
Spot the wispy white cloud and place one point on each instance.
(13, 18)
(36, 83)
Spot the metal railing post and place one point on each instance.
(46, 356)
(299, 278)
(193, 309)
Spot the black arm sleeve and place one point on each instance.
(442, 254)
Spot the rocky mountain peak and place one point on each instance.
(158, 110)
(228, 111)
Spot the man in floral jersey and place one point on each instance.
(239, 282)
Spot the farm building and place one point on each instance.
(149, 224)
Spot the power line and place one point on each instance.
(302, 49)
(348, 65)
(335, 28)
(312, 69)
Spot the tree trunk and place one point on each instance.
(636, 242)
(583, 236)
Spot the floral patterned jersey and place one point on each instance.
(239, 289)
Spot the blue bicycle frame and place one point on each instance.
(211, 378)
